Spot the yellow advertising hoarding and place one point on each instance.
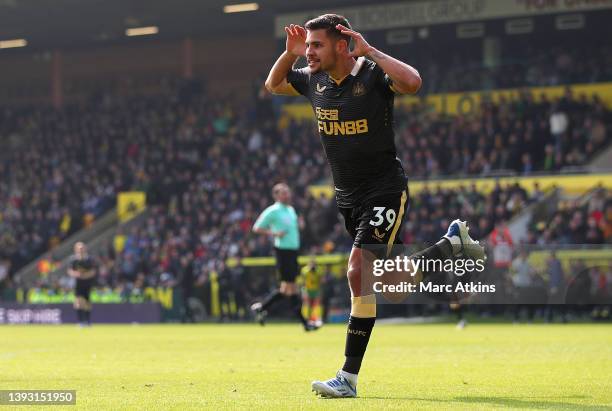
(469, 102)
(571, 184)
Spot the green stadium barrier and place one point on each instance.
(167, 297)
(325, 259)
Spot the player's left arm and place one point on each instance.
(405, 78)
(74, 273)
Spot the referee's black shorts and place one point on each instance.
(287, 264)
(83, 288)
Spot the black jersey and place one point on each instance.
(355, 121)
(84, 264)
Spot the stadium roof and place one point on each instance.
(67, 23)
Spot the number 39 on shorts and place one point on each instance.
(381, 216)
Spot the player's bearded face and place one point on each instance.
(320, 51)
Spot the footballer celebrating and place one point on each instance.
(352, 93)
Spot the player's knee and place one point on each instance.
(287, 289)
(354, 273)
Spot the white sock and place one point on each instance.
(352, 378)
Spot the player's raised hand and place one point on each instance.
(362, 47)
(296, 39)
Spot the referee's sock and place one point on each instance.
(87, 316)
(296, 304)
(79, 314)
(274, 296)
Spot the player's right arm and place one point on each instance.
(276, 82)
(72, 271)
(266, 231)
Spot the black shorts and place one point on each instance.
(377, 224)
(83, 288)
(287, 264)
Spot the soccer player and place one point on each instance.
(312, 277)
(281, 222)
(352, 93)
(82, 267)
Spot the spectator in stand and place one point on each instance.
(502, 243)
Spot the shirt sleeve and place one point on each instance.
(383, 81)
(265, 219)
(300, 80)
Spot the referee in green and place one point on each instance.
(281, 222)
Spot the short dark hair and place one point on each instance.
(328, 22)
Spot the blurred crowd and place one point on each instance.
(62, 169)
(521, 136)
(581, 221)
(522, 64)
(181, 238)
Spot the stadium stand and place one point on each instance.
(577, 222)
(524, 63)
(521, 136)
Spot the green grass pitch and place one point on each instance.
(183, 367)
